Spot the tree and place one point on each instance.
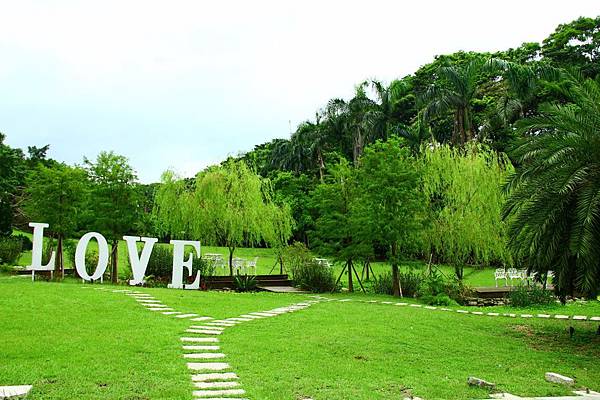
(227, 205)
(464, 189)
(56, 196)
(393, 202)
(113, 201)
(575, 45)
(553, 209)
(338, 224)
(12, 172)
(454, 92)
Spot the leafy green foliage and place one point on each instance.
(465, 195)
(306, 272)
(10, 250)
(553, 209)
(245, 283)
(392, 206)
(527, 296)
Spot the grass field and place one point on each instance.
(88, 344)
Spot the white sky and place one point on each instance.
(183, 84)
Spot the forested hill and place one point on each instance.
(453, 99)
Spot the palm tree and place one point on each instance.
(454, 93)
(553, 208)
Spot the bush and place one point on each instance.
(436, 284)
(409, 281)
(383, 284)
(306, 273)
(26, 243)
(245, 283)
(525, 296)
(439, 300)
(10, 250)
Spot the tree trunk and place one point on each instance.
(349, 269)
(321, 165)
(59, 267)
(114, 258)
(395, 273)
(280, 265)
(231, 250)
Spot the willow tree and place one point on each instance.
(464, 188)
(227, 205)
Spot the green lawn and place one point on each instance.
(89, 344)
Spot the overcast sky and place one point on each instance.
(184, 84)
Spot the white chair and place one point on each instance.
(514, 273)
(239, 266)
(501, 274)
(251, 266)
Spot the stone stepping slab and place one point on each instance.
(147, 301)
(214, 366)
(186, 315)
(200, 347)
(202, 319)
(210, 328)
(200, 339)
(204, 355)
(160, 309)
(214, 376)
(172, 312)
(216, 385)
(203, 331)
(264, 314)
(11, 392)
(222, 392)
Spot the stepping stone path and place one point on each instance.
(488, 314)
(14, 392)
(211, 377)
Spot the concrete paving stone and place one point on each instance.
(13, 392)
(186, 315)
(212, 366)
(401, 304)
(558, 378)
(526, 316)
(561, 316)
(595, 319)
(543, 316)
(579, 317)
(195, 347)
(147, 300)
(462, 311)
(172, 312)
(203, 331)
(214, 328)
(493, 314)
(509, 315)
(476, 313)
(200, 339)
(215, 376)
(204, 355)
(416, 305)
(216, 385)
(160, 309)
(221, 392)
(387, 302)
(198, 319)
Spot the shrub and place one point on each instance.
(296, 255)
(383, 284)
(314, 277)
(245, 283)
(525, 296)
(26, 243)
(10, 250)
(410, 281)
(436, 284)
(439, 300)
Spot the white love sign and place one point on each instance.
(139, 262)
